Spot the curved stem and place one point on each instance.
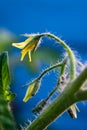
(52, 67)
(49, 69)
(69, 51)
(58, 103)
(43, 103)
(70, 55)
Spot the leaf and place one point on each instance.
(4, 71)
(5, 78)
(6, 118)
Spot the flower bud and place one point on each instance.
(32, 90)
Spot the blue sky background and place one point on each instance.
(65, 18)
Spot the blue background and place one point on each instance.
(66, 19)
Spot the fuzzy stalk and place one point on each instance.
(81, 95)
(60, 104)
(69, 51)
(60, 64)
(58, 83)
(72, 63)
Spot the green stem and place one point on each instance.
(81, 95)
(70, 55)
(69, 51)
(6, 117)
(58, 83)
(49, 69)
(60, 104)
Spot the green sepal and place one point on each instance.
(9, 96)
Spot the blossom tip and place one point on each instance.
(13, 44)
(24, 100)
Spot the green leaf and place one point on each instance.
(4, 71)
(5, 78)
(6, 117)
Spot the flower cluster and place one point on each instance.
(30, 44)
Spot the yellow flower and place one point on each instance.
(28, 45)
(32, 90)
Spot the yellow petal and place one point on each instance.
(20, 45)
(28, 50)
(28, 45)
(29, 39)
(23, 54)
(29, 54)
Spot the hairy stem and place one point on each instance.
(53, 67)
(69, 51)
(81, 95)
(58, 83)
(71, 58)
(60, 104)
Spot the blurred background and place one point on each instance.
(64, 18)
